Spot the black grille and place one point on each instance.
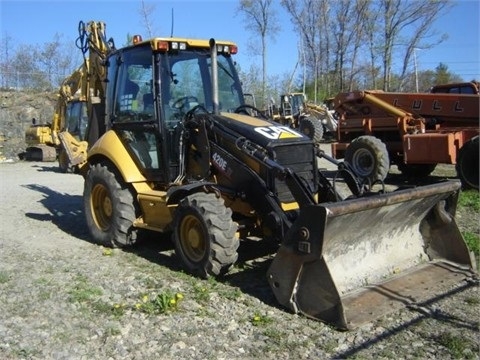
(300, 158)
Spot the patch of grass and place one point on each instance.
(330, 345)
(45, 295)
(160, 303)
(273, 334)
(83, 291)
(261, 320)
(116, 310)
(25, 353)
(473, 242)
(112, 331)
(149, 283)
(470, 199)
(43, 281)
(232, 294)
(4, 277)
(456, 345)
(201, 292)
(471, 300)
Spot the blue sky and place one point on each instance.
(37, 21)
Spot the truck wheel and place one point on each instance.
(205, 235)
(312, 127)
(467, 164)
(368, 157)
(109, 208)
(416, 170)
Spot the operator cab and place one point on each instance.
(156, 83)
(76, 119)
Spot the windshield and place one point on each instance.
(186, 82)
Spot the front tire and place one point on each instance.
(205, 235)
(368, 157)
(109, 208)
(467, 164)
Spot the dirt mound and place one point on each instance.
(17, 109)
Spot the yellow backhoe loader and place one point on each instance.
(315, 121)
(65, 138)
(177, 152)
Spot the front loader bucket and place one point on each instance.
(351, 262)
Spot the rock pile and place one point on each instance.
(17, 109)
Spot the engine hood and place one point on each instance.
(263, 132)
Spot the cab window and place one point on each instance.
(134, 99)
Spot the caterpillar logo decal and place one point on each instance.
(277, 132)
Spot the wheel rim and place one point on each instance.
(101, 205)
(192, 238)
(363, 162)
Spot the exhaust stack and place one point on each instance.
(213, 56)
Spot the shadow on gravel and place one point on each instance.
(250, 273)
(65, 211)
(51, 168)
(427, 310)
(156, 248)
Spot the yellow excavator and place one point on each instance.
(177, 151)
(65, 138)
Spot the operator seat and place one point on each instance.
(148, 102)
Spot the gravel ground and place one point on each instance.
(63, 297)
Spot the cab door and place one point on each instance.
(133, 113)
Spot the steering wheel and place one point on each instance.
(180, 103)
(242, 109)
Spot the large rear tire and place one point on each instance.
(312, 127)
(205, 235)
(467, 164)
(109, 208)
(368, 157)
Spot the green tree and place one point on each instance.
(444, 76)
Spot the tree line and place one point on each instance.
(352, 44)
(36, 66)
(342, 45)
